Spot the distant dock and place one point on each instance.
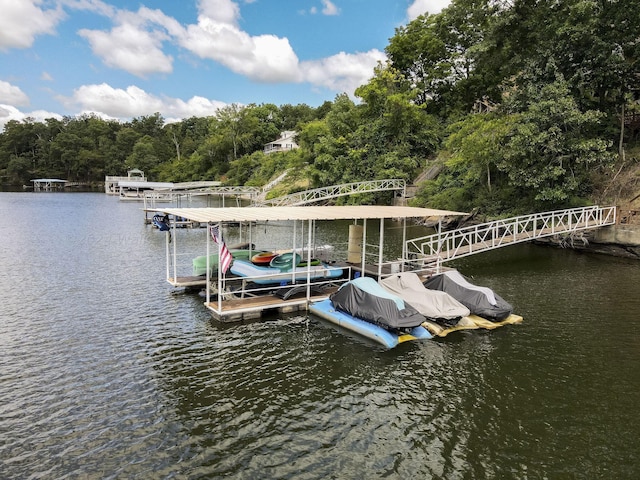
(48, 184)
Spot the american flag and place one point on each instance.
(225, 254)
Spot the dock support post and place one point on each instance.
(355, 243)
(380, 248)
(310, 236)
(175, 251)
(208, 274)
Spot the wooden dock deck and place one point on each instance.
(188, 282)
(235, 309)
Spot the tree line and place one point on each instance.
(506, 106)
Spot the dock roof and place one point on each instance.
(256, 214)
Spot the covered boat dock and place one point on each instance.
(48, 184)
(232, 297)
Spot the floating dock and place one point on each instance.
(230, 298)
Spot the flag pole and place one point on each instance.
(220, 285)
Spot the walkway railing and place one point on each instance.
(432, 250)
(325, 193)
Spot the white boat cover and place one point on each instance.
(432, 304)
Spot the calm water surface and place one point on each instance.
(107, 372)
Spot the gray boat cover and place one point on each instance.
(481, 301)
(433, 304)
(365, 299)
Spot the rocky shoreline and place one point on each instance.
(618, 240)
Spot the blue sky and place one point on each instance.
(122, 59)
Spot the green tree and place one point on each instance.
(477, 144)
(150, 125)
(552, 149)
(230, 124)
(334, 161)
(445, 56)
(144, 155)
(395, 136)
(126, 138)
(19, 170)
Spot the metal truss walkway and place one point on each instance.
(326, 193)
(430, 251)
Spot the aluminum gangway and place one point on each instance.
(431, 251)
(326, 193)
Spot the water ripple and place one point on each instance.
(105, 373)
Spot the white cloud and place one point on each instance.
(264, 58)
(135, 45)
(105, 100)
(12, 94)
(9, 112)
(113, 102)
(420, 7)
(131, 48)
(177, 109)
(150, 17)
(220, 11)
(329, 8)
(96, 6)
(343, 72)
(22, 21)
(110, 103)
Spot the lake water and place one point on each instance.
(107, 372)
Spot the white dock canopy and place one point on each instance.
(259, 214)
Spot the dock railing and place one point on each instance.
(430, 251)
(299, 278)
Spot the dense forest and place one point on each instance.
(502, 106)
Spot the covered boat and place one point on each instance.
(374, 310)
(481, 301)
(364, 298)
(364, 307)
(433, 304)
